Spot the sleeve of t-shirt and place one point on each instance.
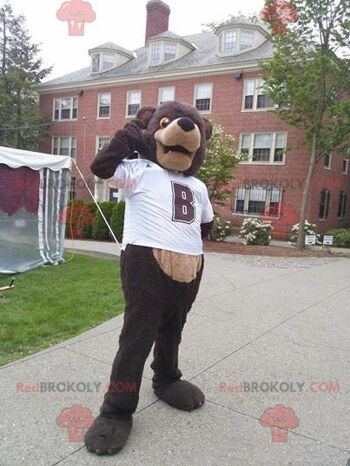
(127, 176)
(207, 210)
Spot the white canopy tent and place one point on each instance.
(33, 197)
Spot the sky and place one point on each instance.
(119, 21)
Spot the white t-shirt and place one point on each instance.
(164, 209)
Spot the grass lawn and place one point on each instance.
(52, 304)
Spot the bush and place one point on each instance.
(117, 220)
(79, 221)
(341, 237)
(255, 231)
(221, 228)
(100, 230)
(309, 229)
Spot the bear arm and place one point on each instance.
(124, 143)
(205, 228)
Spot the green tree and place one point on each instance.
(21, 124)
(308, 78)
(220, 160)
(117, 220)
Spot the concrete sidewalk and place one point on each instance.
(264, 331)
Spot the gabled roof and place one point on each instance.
(112, 47)
(204, 55)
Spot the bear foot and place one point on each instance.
(181, 395)
(108, 434)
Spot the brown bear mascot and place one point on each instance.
(168, 212)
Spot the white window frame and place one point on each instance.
(127, 102)
(342, 205)
(71, 145)
(163, 89)
(98, 106)
(272, 149)
(59, 100)
(257, 82)
(268, 192)
(100, 65)
(346, 171)
(238, 49)
(329, 166)
(98, 138)
(162, 44)
(195, 94)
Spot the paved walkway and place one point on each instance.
(263, 332)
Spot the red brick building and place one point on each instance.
(219, 74)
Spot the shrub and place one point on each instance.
(309, 229)
(79, 221)
(341, 237)
(221, 228)
(255, 231)
(99, 228)
(117, 220)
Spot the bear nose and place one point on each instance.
(186, 124)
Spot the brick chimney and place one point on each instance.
(157, 18)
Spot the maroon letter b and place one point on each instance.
(183, 203)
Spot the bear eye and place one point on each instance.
(164, 122)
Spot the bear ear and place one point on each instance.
(145, 115)
(208, 128)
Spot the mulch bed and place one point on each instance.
(275, 251)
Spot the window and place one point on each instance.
(162, 52)
(258, 200)
(232, 41)
(66, 145)
(108, 61)
(104, 105)
(203, 97)
(133, 102)
(342, 204)
(345, 166)
(65, 108)
(169, 51)
(324, 204)
(263, 147)
(72, 188)
(95, 63)
(246, 40)
(101, 142)
(166, 94)
(327, 161)
(253, 96)
(102, 62)
(156, 50)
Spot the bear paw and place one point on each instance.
(181, 395)
(108, 435)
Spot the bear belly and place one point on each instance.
(180, 267)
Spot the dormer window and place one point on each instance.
(108, 56)
(235, 40)
(102, 62)
(162, 52)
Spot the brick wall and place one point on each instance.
(226, 110)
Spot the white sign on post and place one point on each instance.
(328, 240)
(310, 240)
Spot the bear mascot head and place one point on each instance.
(174, 136)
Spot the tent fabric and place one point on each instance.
(15, 158)
(19, 188)
(33, 204)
